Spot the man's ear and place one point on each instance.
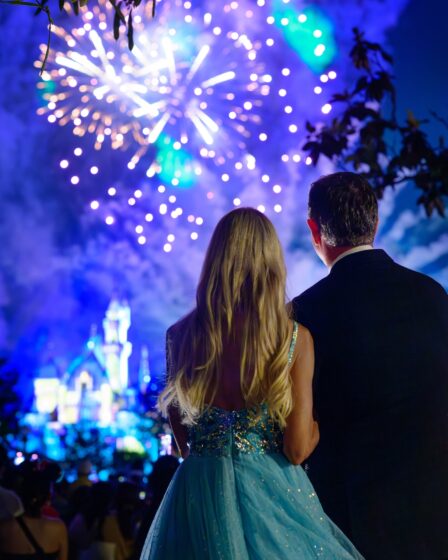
(376, 227)
(315, 231)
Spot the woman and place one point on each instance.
(33, 536)
(120, 525)
(86, 530)
(239, 398)
(158, 481)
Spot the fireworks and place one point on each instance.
(204, 96)
(201, 94)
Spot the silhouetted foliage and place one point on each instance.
(122, 16)
(367, 137)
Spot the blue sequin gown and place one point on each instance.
(237, 497)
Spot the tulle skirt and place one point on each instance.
(248, 507)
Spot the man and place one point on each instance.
(381, 382)
(85, 468)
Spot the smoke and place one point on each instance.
(59, 267)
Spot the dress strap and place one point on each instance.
(292, 346)
(40, 554)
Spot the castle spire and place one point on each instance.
(117, 348)
(144, 373)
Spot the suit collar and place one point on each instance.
(351, 251)
(360, 259)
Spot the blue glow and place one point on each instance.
(309, 32)
(69, 248)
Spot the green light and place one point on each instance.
(308, 32)
(45, 88)
(176, 165)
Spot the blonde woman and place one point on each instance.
(239, 398)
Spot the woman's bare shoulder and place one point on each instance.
(304, 334)
(304, 345)
(6, 525)
(53, 524)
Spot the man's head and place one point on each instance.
(85, 468)
(342, 214)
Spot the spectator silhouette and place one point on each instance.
(163, 471)
(32, 535)
(10, 504)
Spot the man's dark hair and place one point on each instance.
(345, 208)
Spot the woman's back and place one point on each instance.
(50, 534)
(229, 394)
(112, 533)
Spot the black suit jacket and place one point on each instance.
(381, 399)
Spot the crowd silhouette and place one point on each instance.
(44, 517)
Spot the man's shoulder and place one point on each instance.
(307, 307)
(421, 282)
(424, 279)
(400, 274)
(313, 293)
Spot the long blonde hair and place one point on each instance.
(243, 279)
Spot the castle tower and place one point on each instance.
(116, 347)
(144, 373)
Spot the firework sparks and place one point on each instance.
(104, 90)
(200, 100)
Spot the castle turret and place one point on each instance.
(144, 373)
(116, 347)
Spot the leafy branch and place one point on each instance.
(41, 6)
(123, 10)
(367, 137)
(127, 6)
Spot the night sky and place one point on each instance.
(61, 262)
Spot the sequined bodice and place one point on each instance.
(223, 433)
(226, 433)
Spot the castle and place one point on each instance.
(95, 386)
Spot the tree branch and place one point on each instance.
(41, 7)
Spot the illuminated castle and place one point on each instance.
(116, 348)
(96, 384)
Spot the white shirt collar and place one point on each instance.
(357, 249)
